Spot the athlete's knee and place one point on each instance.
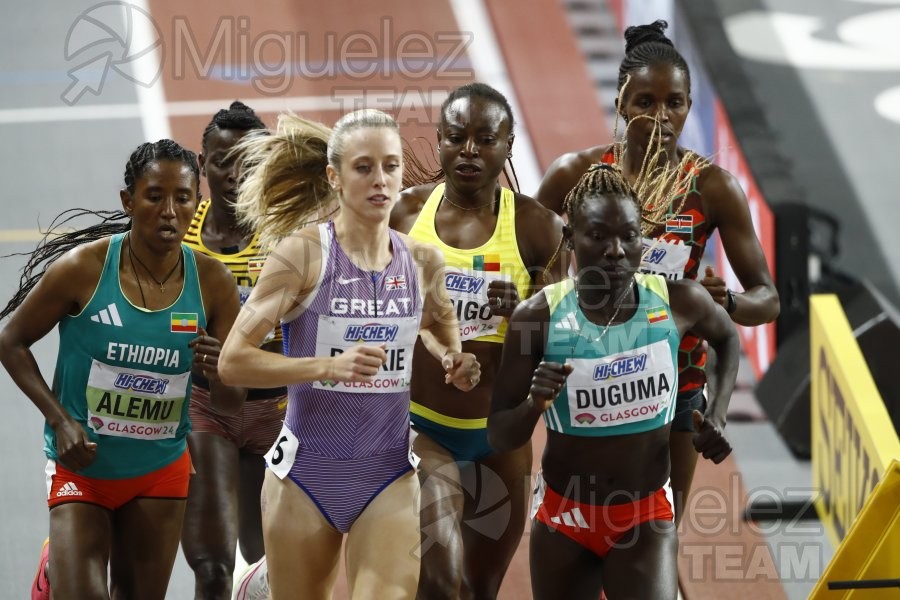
(213, 577)
(438, 580)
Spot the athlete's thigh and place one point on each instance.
(302, 549)
(643, 563)
(252, 471)
(382, 546)
(210, 520)
(561, 567)
(80, 536)
(494, 517)
(146, 532)
(441, 504)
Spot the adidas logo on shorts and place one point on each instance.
(572, 518)
(69, 489)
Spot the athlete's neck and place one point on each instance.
(221, 221)
(368, 245)
(483, 200)
(602, 303)
(634, 155)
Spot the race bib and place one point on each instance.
(336, 335)
(668, 258)
(134, 404)
(622, 388)
(468, 293)
(280, 457)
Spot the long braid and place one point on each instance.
(59, 239)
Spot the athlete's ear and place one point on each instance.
(127, 202)
(567, 236)
(201, 158)
(332, 175)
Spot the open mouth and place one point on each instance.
(379, 199)
(468, 169)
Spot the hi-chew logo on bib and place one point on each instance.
(622, 388)
(668, 258)
(336, 335)
(371, 332)
(463, 283)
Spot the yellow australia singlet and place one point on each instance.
(469, 272)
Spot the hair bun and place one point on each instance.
(646, 34)
(238, 105)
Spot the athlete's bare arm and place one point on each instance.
(518, 403)
(222, 304)
(728, 210)
(290, 274)
(696, 311)
(64, 289)
(439, 328)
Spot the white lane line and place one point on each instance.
(152, 99)
(336, 102)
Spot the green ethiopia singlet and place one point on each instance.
(123, 373)
(623, 381)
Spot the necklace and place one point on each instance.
(161, 284)
(618, 305)
(479, 207)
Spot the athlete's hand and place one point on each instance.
(462, 370)
(74, 449)
(503, 297)
(716, 287)
(359, 363)
(546, 383)
(709, 439)
(206, 350)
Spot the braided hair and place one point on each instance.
(647, 45)
(238, 116)
(59, 239)
(599, 180)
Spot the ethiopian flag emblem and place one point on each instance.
(184, 322)
(655, 315)
(486, 262)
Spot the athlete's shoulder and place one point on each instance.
(85, 260)
(423, 253)
(211, 271)
(564, 173)
(580, 160)
(529, 209)
(410, 204)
